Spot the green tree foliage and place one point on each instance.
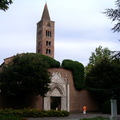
(77, 71)
(25, 74)
(104, 79)
(99, 54)
(51, 62)
(114, 14)
(4, 4)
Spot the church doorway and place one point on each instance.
(55, 103)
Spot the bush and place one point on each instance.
(77, 71)
(10, 118)
(118, 106)
(33, 113)
(54, 113)
(50, 61)
(106, 107)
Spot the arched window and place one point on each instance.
(48, 25)
(48, 33)
(48, 51)
(47, 43)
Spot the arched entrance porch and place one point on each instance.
(58, 96)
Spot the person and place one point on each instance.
(84, 109)
(56, 108)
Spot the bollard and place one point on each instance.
(113, 110)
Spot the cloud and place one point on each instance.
(80, 27)
(81, 50)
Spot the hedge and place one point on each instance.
(33, 113)
(77, 71)
(3, 117)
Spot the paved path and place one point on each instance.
(73, 116)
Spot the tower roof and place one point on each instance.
(45, 15)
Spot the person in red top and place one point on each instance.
(84, 109)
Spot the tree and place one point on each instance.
(99, 54)
(4, 4)
(104, 80)
(26, 74)
(114, 14)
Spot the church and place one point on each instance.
(62, 94)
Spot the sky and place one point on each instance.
(80, 27)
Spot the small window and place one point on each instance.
(48, 51)
(48, 33)
(47, 43)
(48, 25)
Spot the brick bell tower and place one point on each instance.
(45, 34)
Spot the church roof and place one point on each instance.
(45, 15)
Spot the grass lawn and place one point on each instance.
(96, 118)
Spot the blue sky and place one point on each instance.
(80, 27)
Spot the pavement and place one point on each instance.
(74, 116)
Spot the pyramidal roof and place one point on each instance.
(45, 15)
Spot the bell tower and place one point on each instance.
(45, 34)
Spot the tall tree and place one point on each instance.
(4, 4)
(104, 79)
(114, 14)
(99, 54)
(25, 74)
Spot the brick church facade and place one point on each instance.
(62, 94)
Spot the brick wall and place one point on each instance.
(77, 98)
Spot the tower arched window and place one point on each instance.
(48, 43)
(48, 51)
(48, 25)
(48, 33)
